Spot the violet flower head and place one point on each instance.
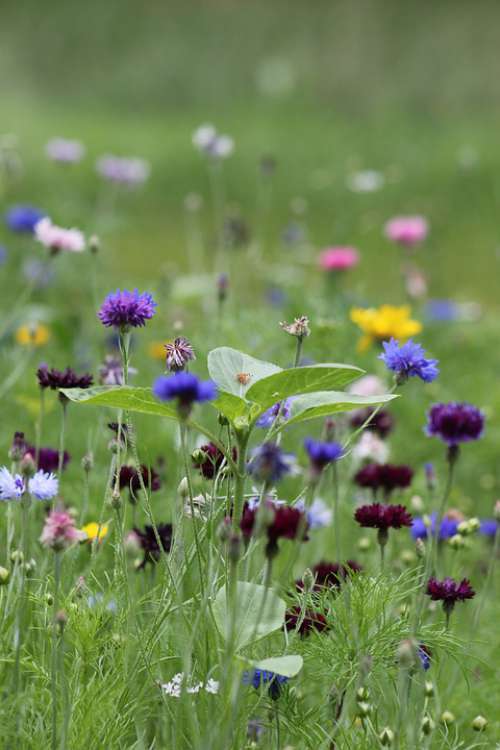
(455, 423)
(421, 530)
(55, 379)
(449, 592)
(407, 230)
(60, 532)
(408, 360)
(111, 371)
(43, 485)
(281, 408)
(64, 150)
(321, 454)
(178, 353)
(383, 517)
(23, 218)
(127, 171)
(12, 486)
(185, 388)
(268, 463)
(287, 523)
(148, 542)
(330, 575)
(489, 527)
(124, 309)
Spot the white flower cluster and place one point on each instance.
(174, 687)
(207, 140)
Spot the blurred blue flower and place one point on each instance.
(419, 529)
(282, 408)
(11, 485)
(442, 310)
(43, 485)
(322, 453)
(424, 656)
(269, 463)
(185, 388)
(488, 527)
(23, 218)
(409, 360)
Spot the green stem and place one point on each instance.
(239, 485)
(62, 434)
(54, 655)
(183, 435)
(336, 512)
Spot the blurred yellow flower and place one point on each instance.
(32, 334)
(157, 350)
(384, 322)
(93, 532)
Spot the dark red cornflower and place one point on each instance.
(208, 459)
(148, 542)
(383, 517)
(48, 458)
(130, 478)
(381, 423)
(55, 379)
(309, 621)
(330, 575)
(449, 592)
(386, 477)
(286, 523)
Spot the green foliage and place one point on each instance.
(259, 612)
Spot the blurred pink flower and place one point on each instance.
(338, 258)
(407, 230)
(65, 151)
(56, 238)
(60, 531)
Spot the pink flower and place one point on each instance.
(56, 238)
(338, 258)
(407, 230)
(60, 531)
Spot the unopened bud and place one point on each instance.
(427, 725)
(18, 447)
(428, 689)
(88, 462)
(223, 421)
(94, 244)
(479, 724)
(49, 600)
(16, 556)
(496, 510)
(447, 717)
(183, 488)
(4, 576)
(116, 501)
(430, 476)
(362, 694)
(308, 581)
(457, 541)
(224, 530)
(420, 549)
(386, 737)
(234, 548)
(364, 544)
(27, 466)
(364, 709)
(417, 504)
(30, 565)
(474, 525)
(61, 619)
(407, 653)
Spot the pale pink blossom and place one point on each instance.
(57, 238)
(338, 258)
(368, 385)
(370, 448)
(407, 230)
(65, 151)
(60, 532)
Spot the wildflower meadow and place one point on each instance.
(249, 486)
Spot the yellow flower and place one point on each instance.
(33, 334)
(157, 350)
(383, 323)
(93, 532)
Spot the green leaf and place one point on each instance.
(125, 397)
(259, 612)
(325, 403)
(233, 407)
(299, 380)
(287, 666)
(225, 365)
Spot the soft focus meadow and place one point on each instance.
(249, 481)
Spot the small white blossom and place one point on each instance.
(43, 486)
(57, 238)
(370, 448)
(212, 686)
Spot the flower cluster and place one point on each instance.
(153, 541)
(305, 622)
(449, 592)
(338, 258)
(130, 172)
(42, 485)
(65, 151)
(330, 575)
(175, 686)
(178, 353)
(383, 517)
(281, 409)
(133, 480)
(321, 454)
(407, 230)
(207, 140)
(269, 464)
(185, 388)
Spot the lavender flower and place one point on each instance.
(455, 423)
(11, 485)
(282, 408)
(130, 172)
(23, 218)
(111, 371)
(124, 309)
(408, 360)
(65, 151)
(57, 238)
(43, 486)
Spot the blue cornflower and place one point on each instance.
(318, 514)
(442, 310)
(124, 309)
(43, 485)
(424, 655)
(185, 388)
(23, 218)
(408, 361)
(322, 454)
(488, 527)
(420, 530)
(11, 485)
(269, 463)
(282, 408)
(258, 677)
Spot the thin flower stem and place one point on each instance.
(239, 485)
(489, 575)
(39, 425)
(54, 654)
(62, 435)
(336, 512)
(367, 421)
(183, 435)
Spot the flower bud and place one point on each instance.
(299, 327)
(88, 462)
(224, 530)
(49, 599)
(308, 580)
(479, 724)
(16, 556)
(428, 689)
(386, 737)
(447, 717)
(427, 725)
(496, 510)
(364, 544)
(27, 466)
(18, 447)
(30, 565)
(116, 501)
(4, 576)
(234, 548)
(183, 488)
(474, 525)
(457, 541)
(94, 244)
(362, 694)
(417, 504)
(420, 549)
(364, 709)
(407, 653)
(222, 420)
(60, 620)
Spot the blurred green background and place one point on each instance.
(328, 88)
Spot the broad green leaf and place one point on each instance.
(287, 666)
(232, 406)
(299, 380)
(230, 368)
(129, 398)
(325, 403)
(259, 612)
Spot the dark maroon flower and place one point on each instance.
(455, 423)
(385, 477)
(381, 423)
(449, 592)
(130, 478)
(208, 460)
(383, 517)
(55, 379)
(330, 575)
(309, 621)
(148, 542)
(48, 458)
(286, 523)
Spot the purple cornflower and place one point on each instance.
(128, 171)
(488, 527)
(23, 218)
(258, 677)
(424, 654)
(321, 454)
(43, 486)
(383, 517)
(269, 463)
(420, 529)
(455, 423)
(56, 379)
(449, 592)
(185, 388)
(386, 477)
(408, 361)
(281, 407)
(153, 542)
(11, 485)
(178, 353)
(124, 309)
(48, 458)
